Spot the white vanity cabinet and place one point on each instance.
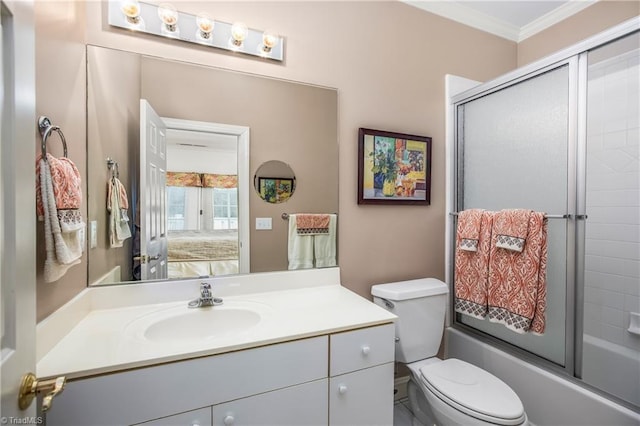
(290, 383)
(361, 377)
(201, 417)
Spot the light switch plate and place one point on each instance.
(263, 223)
(93, 234)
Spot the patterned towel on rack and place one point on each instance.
(67, 191)
(63, 229)
(517, 288)
(511, 228)
(472, 266)
(312, 224)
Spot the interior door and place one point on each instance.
(153, 174)
(17, 212)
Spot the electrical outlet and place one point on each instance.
(263, 223)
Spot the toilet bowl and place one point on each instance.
(459, 393)
(449, 392)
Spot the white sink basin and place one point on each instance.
(179, 323)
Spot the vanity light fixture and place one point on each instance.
(205, 25)
(239, 32)
(269, 41)
(131, 10)
(169, 16)
(165, 20)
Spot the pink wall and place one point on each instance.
(386, 59)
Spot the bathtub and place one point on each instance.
(622, 381)
(548, 398)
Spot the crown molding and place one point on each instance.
(470, 17)
(561, 13)
(481, 21)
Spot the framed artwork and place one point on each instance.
(393, 168)
(275, 190)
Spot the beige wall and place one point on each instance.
(113, 117)
(592, 20)
(60, 95)
(388, 62)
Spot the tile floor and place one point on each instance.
(402, 415)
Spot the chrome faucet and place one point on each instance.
(206, 298)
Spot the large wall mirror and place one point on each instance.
(215, 128)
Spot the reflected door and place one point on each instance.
(153, 171)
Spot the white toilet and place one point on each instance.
(449, 392)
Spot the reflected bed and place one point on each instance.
(201, 253)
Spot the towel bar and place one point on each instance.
(285, 216)
(549, 216)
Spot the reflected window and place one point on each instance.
(225, 208)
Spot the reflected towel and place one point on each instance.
(511, 228)
(517, 288)
(324, 245)
(312, 224)
(300, 247)
(472, 266)
(119, 229)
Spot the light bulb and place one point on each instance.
(269, 41)
(239, 32)
(131, 9)
(169, 16)
(205, 24)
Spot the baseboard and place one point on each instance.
(400, 388)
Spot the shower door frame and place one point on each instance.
(575, 57)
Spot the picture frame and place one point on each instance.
(393, 168)
(275, 189)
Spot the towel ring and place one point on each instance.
(112, 165)
(45, 130)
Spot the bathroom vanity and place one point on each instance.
(299, 349)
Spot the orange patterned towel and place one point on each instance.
(511, 227)
(67, 184)
(472, 266)
(517, 280)
(312, 224)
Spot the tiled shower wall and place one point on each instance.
(612, 272)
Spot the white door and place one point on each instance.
(17, 212)
(153, 175)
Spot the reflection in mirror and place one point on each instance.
(294, 123)
(205, 232)
(274, 181)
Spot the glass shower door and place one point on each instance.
(512, 152)
(611, 338)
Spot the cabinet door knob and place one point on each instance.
(342, 389)
(228, 420)
(366, 350)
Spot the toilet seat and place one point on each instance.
(473, 391)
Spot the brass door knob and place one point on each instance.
(31, 386)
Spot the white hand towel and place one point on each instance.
(325, 245)
(300, 247)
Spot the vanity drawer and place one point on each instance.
(355, 350)
(158, 391)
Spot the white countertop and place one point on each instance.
(90, 336)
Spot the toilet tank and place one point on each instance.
(420, 306)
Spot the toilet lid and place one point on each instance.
(473, 391)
